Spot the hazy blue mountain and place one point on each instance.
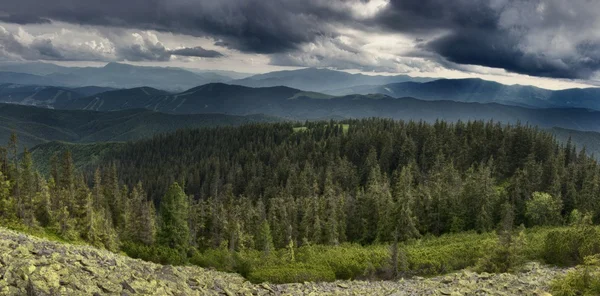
(39, 125)
(312, 79)
(118, 75)
(112, 100)
(43, 96)
(576, 98)
(482, 91)
(209, 98)
(581, 139)
(92, 90)
(113, 75)
(27, 79)
(35, 68)
(300, 105)
(231, 74)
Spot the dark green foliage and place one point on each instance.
(584, 280)
(155, 253)
(36, 126)
(296, 273)
(569, 247)
(333, 183)
(543, 209)
(173, 226)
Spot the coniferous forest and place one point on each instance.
(219, 197)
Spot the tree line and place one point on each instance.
(267, 186)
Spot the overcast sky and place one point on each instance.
(548, 43)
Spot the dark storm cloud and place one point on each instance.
(23, 19)
(261, 26)
(196, 52)
(502, 33)
(549, 38)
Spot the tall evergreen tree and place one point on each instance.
(174, 231)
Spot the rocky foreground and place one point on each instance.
(33, 266)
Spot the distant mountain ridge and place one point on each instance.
(296, 104)
(483, 91)
(45, 96)
(114, 75)
(314, 79)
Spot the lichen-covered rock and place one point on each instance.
(33, 266)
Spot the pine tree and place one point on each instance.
(174, 231)
(141, 226)
(98, 191)
(43, 204)
(8, 210)
(26, 191)
(405, 226)
(264, 240)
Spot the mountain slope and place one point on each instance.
(312, 79)
(24, 78)
(35, 126)
(43, 96)
(209, 98)
(588, 140)
(121, 99)
(482, 91)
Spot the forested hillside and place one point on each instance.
(275, 187)
(347, 175)
(35, 126)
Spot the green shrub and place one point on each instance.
(506, 254)
(347, 261)
(156, 254)
(568, 247)
(448, 253)
(224, 260)
(292, 273)
(219, 259)
(584, 280)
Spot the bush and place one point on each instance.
(347, 261)
(543, 209)
(156, 254)
(584, 280)
(224, 260)
(292, 273)
(448, 253)
(505, 256)
(568, 247)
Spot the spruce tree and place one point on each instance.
(174, 231)
(26, 191)
(7, 203)
(264, 240)
(404, 227)
(43, 204)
